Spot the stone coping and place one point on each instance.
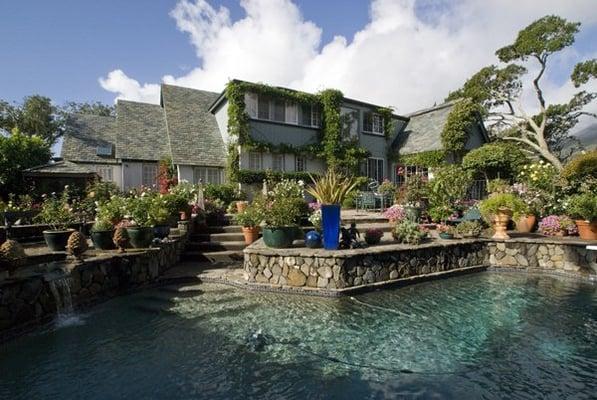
(260, 248)
(575, 276)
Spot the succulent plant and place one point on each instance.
(12, 255)
(76, 245)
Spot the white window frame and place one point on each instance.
(255, 161)
(298, 160)
(377, 124)
(105, 172)
(147, 171)
(278, 162)
(207, 175)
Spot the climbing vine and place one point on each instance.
(460, 122)
(431, 158)
(388, 120)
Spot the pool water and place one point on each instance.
(487, 335)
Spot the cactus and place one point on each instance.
(120, 239)
(76, 245)
(12, 255)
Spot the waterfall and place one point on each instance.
(60, 289)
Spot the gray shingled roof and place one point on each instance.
(194, 135)
(141, 131)
(424, 130)
(60, 168)
(84, 133)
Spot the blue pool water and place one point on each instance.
(488, 335)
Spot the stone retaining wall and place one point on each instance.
(354, 268)
(28, 297)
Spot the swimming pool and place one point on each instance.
(486, 335)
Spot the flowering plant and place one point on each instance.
(315, 219)
(557, 225)
(534, 198)
(442, 228)
(373, 235)
(56, 211)
(395, 213)
(539, 175)
(387, 188)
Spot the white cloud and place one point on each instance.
(400, 58)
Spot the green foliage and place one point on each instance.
(543, 37)
(112, 210)
(224, 192)
(251, 177)
(540, 176)
(583, 206)
(430, 158)
(491, 206)
(139, 209)
(102, 225)
(495, 159)
(469, 228)
(35, 116)
(581, 167)
(584, 71)
(449, 185)
(95, 108)
(283, 205)
(461, 120)
(409, 232)
(388, 120)
(18, 152)
(252, 216)
(498, 186)
(57, 211)
(415, 190)
(331, 188)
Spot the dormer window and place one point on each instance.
(373, 123)
(270, 109)
(104, 150)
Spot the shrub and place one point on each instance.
(409, 232)
(227, 193)
(539, 176)
(102, 225)
(495, 159)
(469, 228)
(414, 191)
(581, 167)
(556, 225)
(56, 211)
(583, 206)
(283, 205)
(251, 217)
(112, 210)
(491, 206)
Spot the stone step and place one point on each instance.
(224, 229)
(217, 237)
(228, 256)
(215, 246)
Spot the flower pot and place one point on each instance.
(161, 231)
(330, 222)
(279, 237)
(251, 233)
(526, 224)
(587, 230)
(500, 223)
(241, 206)
(412, 213)
(140, 237)
(372, 239)
(446, 235)
(313, 240)
(102, 240)
(56, 240)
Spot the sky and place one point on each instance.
(408, 54)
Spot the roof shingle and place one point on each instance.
(84, 134)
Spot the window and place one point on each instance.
(278, 162)
(105, 172)
(280, 111)
(207, 175)
(300, 164)
(255, 161)
(373, 123)
(310, 116)
(375, 169)
(251, 104)
(292, 113)
(263, 107)
(349, 118)
(403, 172)
(149, 174)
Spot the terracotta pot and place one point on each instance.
(526, 224)
(241, 206)
(500, 224)
(251, 233)
(587, 230)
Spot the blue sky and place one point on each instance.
(407, 53)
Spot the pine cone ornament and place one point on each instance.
(121, 239)
(12, 255)
(76, 245)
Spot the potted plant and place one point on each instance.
(557, 225)
(163, 210)
(446, 231)
(250, 219)
(140, 230)
(499, 208)
(330, 191)
(409, 232)
(469, 229)
(373, 236)
(583, 208)
(413, 197)
(281, 208)
(58, 214)
(101, 234)
(534, 200)
(241, 206)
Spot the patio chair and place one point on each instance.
(365, 201)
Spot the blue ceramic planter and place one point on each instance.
(330, 221)
(313, 239)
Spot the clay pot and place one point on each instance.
(251, 233)
(526, 224)
(587, 230)
(500, 223)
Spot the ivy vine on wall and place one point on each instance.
(459, 124)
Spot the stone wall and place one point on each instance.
(335, 270)
(570, 257)
(29, 297)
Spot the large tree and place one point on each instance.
(498, 90)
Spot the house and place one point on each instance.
(282, 128)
